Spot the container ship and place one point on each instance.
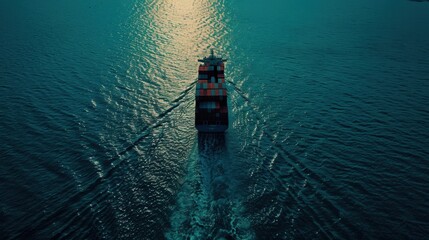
(211, 108)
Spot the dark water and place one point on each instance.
(328, 134)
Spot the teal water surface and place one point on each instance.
(328, 135)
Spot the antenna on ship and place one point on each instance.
(212, 53)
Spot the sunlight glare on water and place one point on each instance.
(327, 134)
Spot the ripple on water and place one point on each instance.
(327, 134)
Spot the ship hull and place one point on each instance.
(211, 105)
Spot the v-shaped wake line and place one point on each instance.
(294, 162)
(41, 221)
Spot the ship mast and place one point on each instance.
(212, 59)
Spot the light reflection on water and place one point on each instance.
(328, 123)
(181, 32)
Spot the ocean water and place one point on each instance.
(328, 135)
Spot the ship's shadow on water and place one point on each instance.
(207, 206)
